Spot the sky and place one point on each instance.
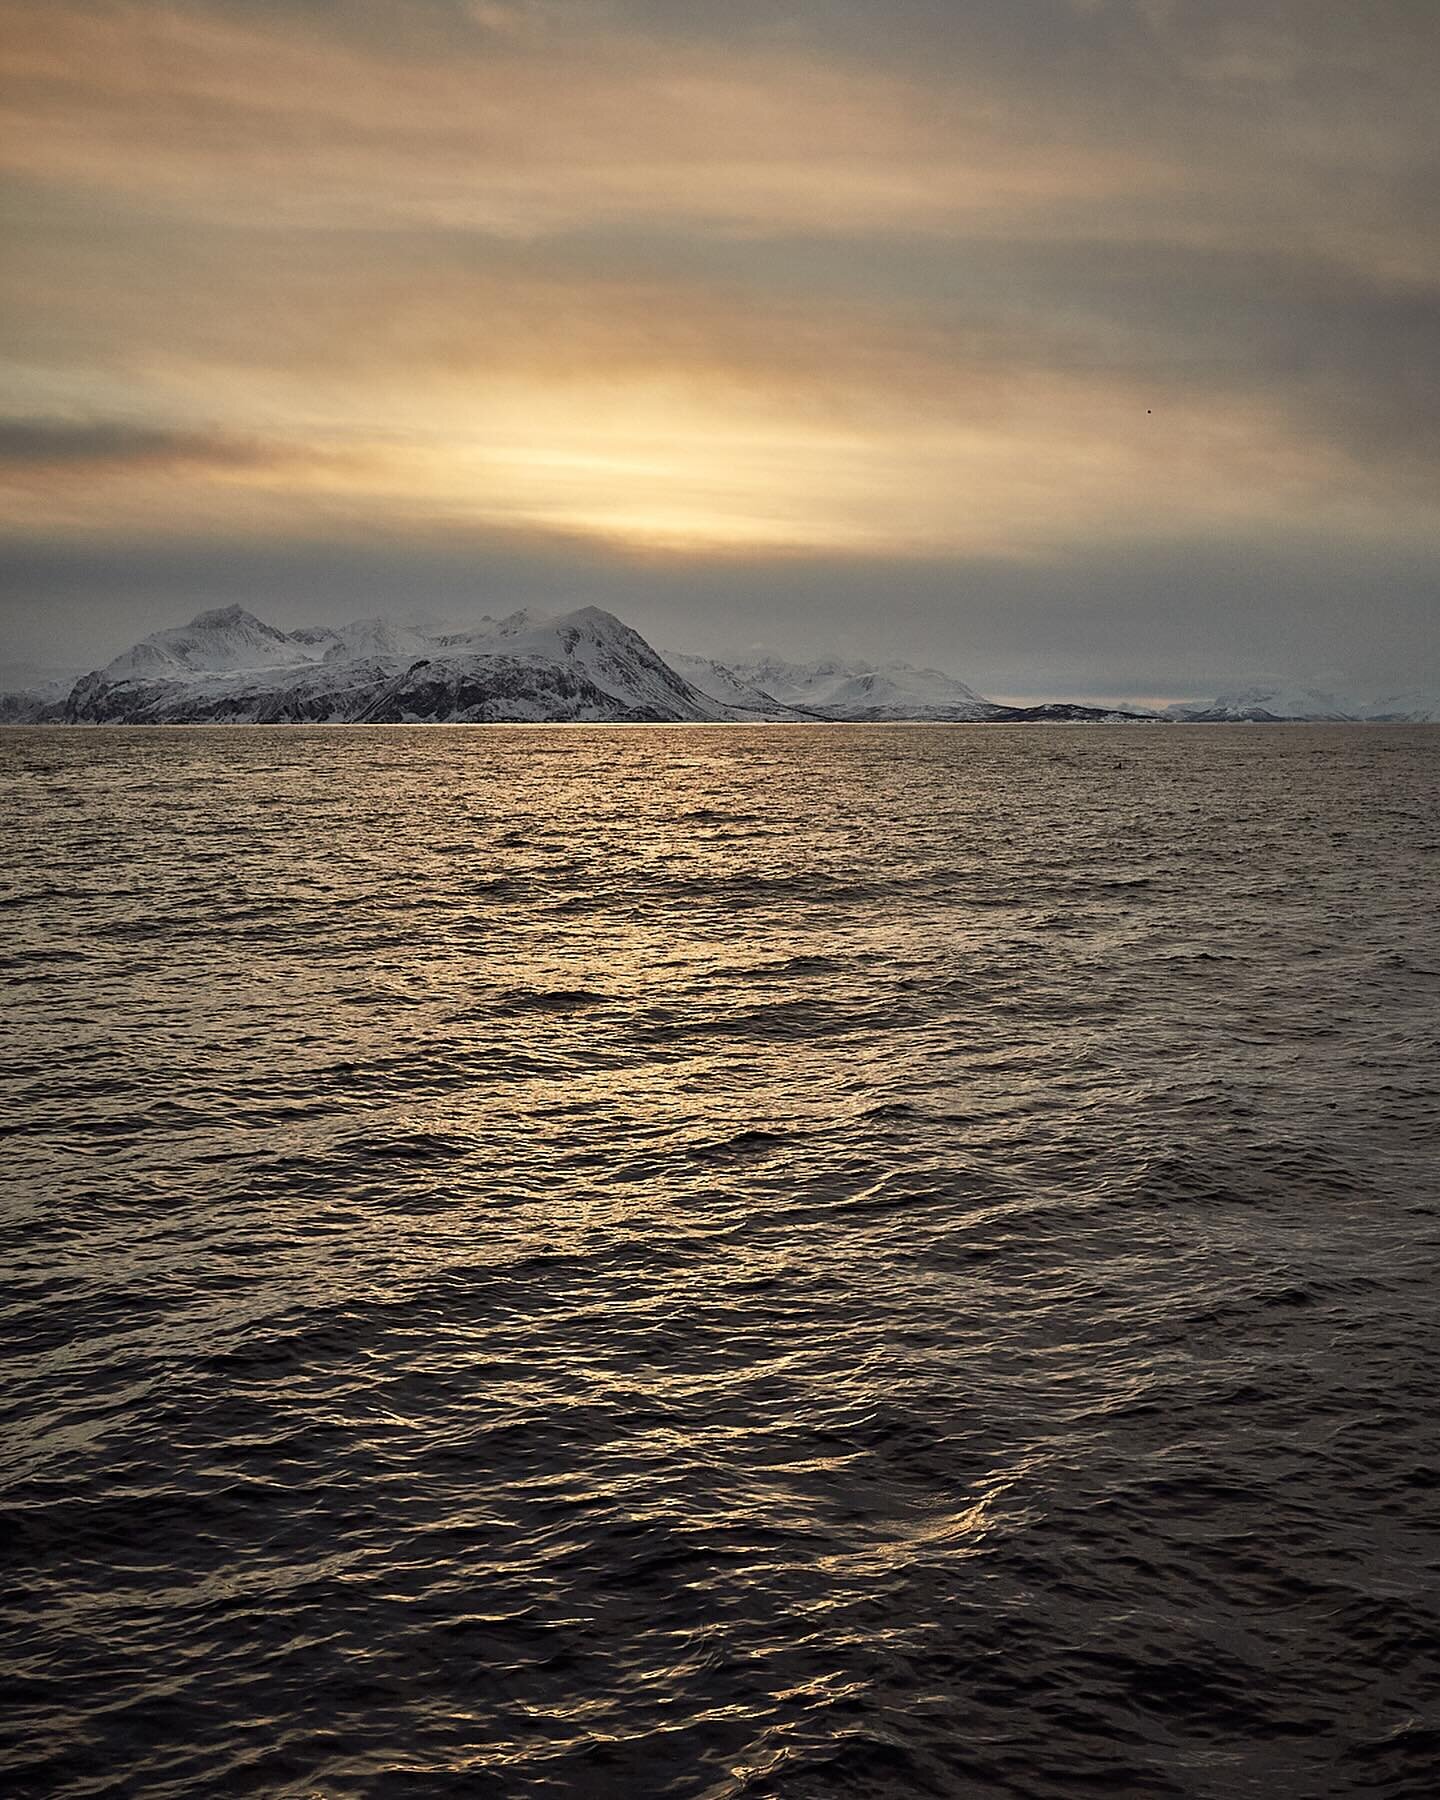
(1085, 347)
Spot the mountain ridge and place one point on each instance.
(228, 665)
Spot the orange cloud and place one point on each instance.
(383, 262)
(191, 110)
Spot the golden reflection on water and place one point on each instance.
(687, 1253)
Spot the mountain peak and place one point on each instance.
(223, 639)
(861, 690)
(592, 615)
(219, 617)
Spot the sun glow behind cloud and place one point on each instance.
(662, 467)
(1023, 283)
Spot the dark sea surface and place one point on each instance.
(791, 1262)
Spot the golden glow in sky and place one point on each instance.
(1021, 281)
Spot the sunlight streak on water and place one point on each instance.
(716, 1263)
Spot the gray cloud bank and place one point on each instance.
(1171, 620)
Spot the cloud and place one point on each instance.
(1019, 286)
(198, 109)
(527, 119)
(1033, 395)
(115, 476)
(45, 447)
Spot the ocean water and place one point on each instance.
(798, 1263)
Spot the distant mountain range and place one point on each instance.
(229, 667)
(1275, 702)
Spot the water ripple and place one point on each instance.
(720, 1264)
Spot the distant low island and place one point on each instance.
(584, 666)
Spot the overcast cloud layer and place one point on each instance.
(1079, 345)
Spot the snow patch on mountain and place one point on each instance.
(728, 689)
(598, 647)
(798, 684)
(225, 639)
(1264, 703)
(854, 690)
(1282, 702)
(1417, 706)
(366, 639)
(905, 693)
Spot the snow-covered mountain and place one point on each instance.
(837, 689)
(229, 666)
(1273, 702)
(730, 689)
(228, 638)
(30, 706)
(1265, 703)
(369, 638)
(1417, 706)
(31, 694)
(857, 693)
(804, 685)
(900, 692)
(598, 648)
